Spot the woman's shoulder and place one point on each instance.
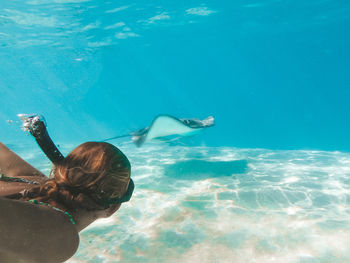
(36, 233)
(13, 166)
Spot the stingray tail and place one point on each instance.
(116, 137)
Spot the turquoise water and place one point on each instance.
(269, 183)
(275, 74)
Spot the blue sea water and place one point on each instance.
(269, 183)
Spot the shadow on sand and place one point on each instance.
(200, 169)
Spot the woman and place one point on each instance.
(40, 217)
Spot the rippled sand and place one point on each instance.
(224, 204)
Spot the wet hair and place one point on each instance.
(91, 173)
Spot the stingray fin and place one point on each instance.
(167, 125)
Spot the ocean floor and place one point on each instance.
(221, 204)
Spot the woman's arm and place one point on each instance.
(36, 233)
(13, 165)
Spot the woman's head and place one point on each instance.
(91, 174)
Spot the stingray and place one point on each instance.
(165, 126)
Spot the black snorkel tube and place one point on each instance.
(36, 125)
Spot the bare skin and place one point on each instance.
(14, 166)
(30, 233)
(36, 233)
(84, 218)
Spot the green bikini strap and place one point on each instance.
(16, 179)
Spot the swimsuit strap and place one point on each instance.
(24, 192)
(34, 201)
(16, 179)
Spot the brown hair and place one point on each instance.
(92, 172)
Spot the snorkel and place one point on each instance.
(36, 125)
